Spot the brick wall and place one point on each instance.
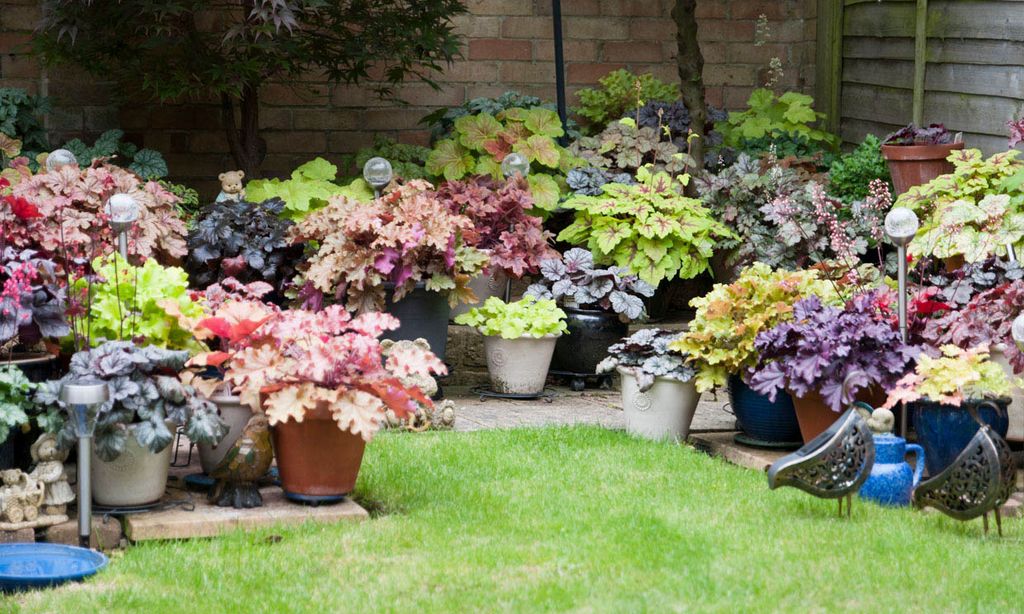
(508, 47)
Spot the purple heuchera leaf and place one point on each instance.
(385, 260)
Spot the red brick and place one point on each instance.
(349, 142)
(421, 94)
(19, 17)
(569, 8)
(653, 29)
(711, 10)
(499, 7)
(714, 96)
(527, 27)
(277, 118)
(640, 8)
(19, 67)
(499, 49)
(749, 53)
(596, 28)
(474, 26)
(726, 30)
(295, 141)
(526, 72)
(714, 53)
(284, 94)
(774, 10)
(388, 119)
(633, 51)
(735, 98)
(472, 72)
(589, 73)
(731, 75)
(572, 50)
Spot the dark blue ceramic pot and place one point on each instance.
(945, 430)
(760, 418)
(892, 480)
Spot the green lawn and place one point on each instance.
(568, 519)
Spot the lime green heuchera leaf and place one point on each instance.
(528, 317)
(545, 191)
(956, 376)
(474, 130)
(316, 169)
(488, 167)
(450, 160)
(544, 122)
(540, 149)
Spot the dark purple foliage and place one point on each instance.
(933, 134)
(822, 345)
(32, 303)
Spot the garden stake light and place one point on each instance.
(377, 172)
(83, 398)
(514, 164)
(59, 158)
(901, 226)
(123, 212)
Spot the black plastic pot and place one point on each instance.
(422, 314)
(586, 343)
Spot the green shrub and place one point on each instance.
(852, 173)
(789, 115)
(621, 92)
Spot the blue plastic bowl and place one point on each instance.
(27, 566)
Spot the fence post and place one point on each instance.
(920, 58)
(829, 62)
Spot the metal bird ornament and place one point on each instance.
(247, 461)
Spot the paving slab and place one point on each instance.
(208, 520)
(723, 445)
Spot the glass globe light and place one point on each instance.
(1017, 331)
(59, 158)
(123, 211)
(901, 225)
(515, 163)
(377, 172)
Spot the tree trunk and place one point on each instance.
(690, 63)
(244, 140)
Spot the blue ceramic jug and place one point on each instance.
(892, 480)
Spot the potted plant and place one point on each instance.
(404, 252)
(246, 241)
(32, 310)
(720, 340)
(233, 311)
(519, 340)
(135, 428)
(658, 393)
(936, 392)
(811, 355)
(514, 241)
(918, 155)
(325, 387)
(15, 402)
(649, 228)
(599, 304)
(986, 320)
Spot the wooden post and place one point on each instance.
(829, 62)
(920, 59)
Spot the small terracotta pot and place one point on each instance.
(317, 461)
(912, 165)
(814, 415)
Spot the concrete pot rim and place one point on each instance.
(530, 337)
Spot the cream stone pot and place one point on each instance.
(136, 477)
(1016, 408)
(235, 415)
(484, 286)
(662, 412)
(519, 366)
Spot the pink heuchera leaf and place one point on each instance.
(385, 260)
(1016, 132)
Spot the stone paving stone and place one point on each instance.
(19, 536)
(106, 532)
(724, 446)
(208, 520)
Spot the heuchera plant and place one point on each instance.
(442, 121)
(958, 287)
(15, 399)
(956, 376)
(310, 187)
(821, 345)
(728, 319)
(974, 211)
(984, 321)
(575, 280)
(621, 93)
(406, 236)
(790, 114)
(243, 240)
(650, 228)
(32, 301)
(480, 142)
(624, 148)
(61, 213)
(646, 355)
(527, 317)
(516, 241)
(932, 134)
(300, 359)
(145, 392)
(144, 303)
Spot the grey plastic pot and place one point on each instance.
(422, 314)
(519, 366)
(235, 415)
(136, 477)
(663, 412)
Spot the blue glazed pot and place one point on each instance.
(892, 480)
(761, 419)
(944, 430)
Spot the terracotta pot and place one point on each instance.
(814, 415)
(235, 415)
(519, 366)
(912, 165)
(317, 461)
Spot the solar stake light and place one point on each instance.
(60, 158)
(1017, 331)
(901, 226)
(513, 164)
(378, 173)
(123, 212)
(83, 399)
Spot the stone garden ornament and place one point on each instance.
(21, 499)
(49, 469)
(231, 187)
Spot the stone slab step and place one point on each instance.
(208, 520)
(724, 446)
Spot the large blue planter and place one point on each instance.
(944, 430)
(892, 480)
(762, 419)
